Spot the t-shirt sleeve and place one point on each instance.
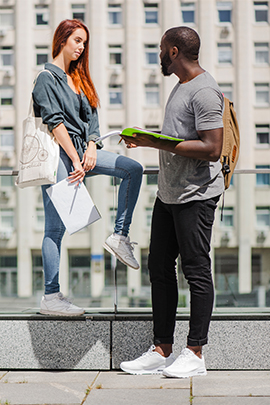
(207, 105)
(47, 103)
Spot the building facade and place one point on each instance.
(124, 65)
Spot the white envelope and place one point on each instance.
(74, 205)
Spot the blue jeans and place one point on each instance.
(109, 164)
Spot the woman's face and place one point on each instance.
(75, 44)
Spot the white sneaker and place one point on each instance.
(186, 365)
(59, 305)
(150, 362)
(121, 247)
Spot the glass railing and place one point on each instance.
(97, 281)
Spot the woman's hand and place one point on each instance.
(89, 159)
(78, 172)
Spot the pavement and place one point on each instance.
(117, 388)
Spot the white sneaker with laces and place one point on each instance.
(150, 362)
(186, 365)
(121, 247)
(59, 305)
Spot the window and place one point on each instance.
(7, 219)
(262, 179)
(6, 57)
(225, 53)
(8, 276)
(227, 90)
(6, 18)
(262, 135)
(115, 181)
(224, 9)
(114, 140)
(42, 14)
(115, 94)
(7, 139)
(115, 14)
(79, 275)
(6, 96)
(151, 13)
(6, 181)
(188, 12)
(151, 54)
(113, 212)
(228, 217)
(261, 11)
(262, 94)
(148, 216)
(152, 94)
(40, 219)
(115, 54)
(145, 280)
(37, 271)
(78, 11)
(42, 55)
(151, 179)
(109, 274)
(263, 217)
(262, 53)
(226, 274)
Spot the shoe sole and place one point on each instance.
(112, 252)
(185, 375)
(142, 372)
(44, 312)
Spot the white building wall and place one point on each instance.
(133, 34)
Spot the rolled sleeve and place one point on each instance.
(93, 129)
(47, 103)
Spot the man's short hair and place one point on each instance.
(185, 39)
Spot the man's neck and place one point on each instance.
(189, 72)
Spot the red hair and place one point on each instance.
(78, 69)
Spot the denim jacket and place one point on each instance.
(55, 102)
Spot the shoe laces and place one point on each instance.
(65, 299)
(149, 351)
(131, 245)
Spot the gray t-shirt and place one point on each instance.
(193, 106)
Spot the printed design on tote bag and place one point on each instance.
(32, 148)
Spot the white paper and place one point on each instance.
(74, 205)
(112, 133)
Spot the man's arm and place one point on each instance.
(208, 147)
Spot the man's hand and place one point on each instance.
(140, 140)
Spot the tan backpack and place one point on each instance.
(231, 142)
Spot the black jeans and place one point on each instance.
(185, 229)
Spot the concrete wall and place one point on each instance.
(101, 342)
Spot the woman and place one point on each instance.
(66, 99)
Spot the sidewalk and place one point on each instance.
(117, 388)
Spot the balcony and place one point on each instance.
(117, 299)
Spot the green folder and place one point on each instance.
(130, 131)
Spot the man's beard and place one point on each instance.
(165, 63)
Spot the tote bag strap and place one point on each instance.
(31, 105)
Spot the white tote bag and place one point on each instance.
(40, 153)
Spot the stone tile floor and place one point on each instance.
(117, 388)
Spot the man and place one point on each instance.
(190, 183)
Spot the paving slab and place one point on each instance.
(138, 396)
(35, 377)
(26, 388)
(233, 383)
(230, 401)
(53, 393)
(120, 380)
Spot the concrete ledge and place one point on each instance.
(102, 341)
